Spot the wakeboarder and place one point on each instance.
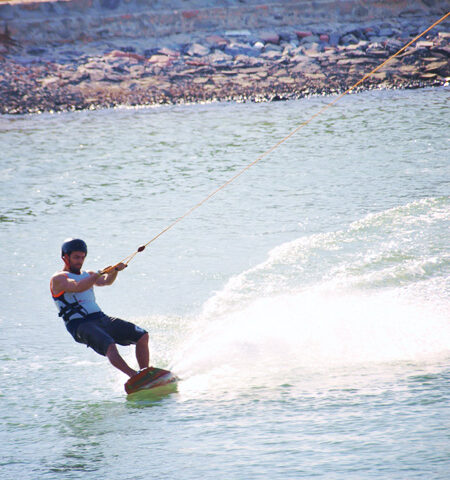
(72, 290)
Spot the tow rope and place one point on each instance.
(130, 257)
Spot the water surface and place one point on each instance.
(305, 307)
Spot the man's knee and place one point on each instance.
(111, 351)
(143, 339)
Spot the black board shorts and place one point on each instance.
(99, 331)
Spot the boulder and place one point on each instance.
(128, 49)
(377, 52)
(273, 48)
(439, 67)
(168, 52)
(334, 38)
(220, 58)
(216, 41)
(287, 36)
(272, 55)
(349, 38)
(160, 60)
(315, 76)
(310, 39)
(405, 70)
(197, 50)
(424, 44)
(303, 34)
(380, 76)
(313, 51)
(113, 77)
(50, 81)
(78, 77)
(299, 68)
(393, 45)
(238, 33)
(270, 37)
(386, 32)
(286, 79)
(235, 49)
(428, 76)
(94, 65)
(96, 75)
(122, 54)
(37, 51)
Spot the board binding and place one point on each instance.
(149, 378)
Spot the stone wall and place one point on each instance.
(68, 21)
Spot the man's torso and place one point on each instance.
(75, 305)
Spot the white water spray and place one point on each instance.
(378, 302)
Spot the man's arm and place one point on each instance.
(61, 283)
(109, 278)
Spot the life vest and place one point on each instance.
(75, 305)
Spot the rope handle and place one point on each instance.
(126, 261)
(140, 249)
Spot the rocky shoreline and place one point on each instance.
(231, 65)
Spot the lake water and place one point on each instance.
(305, 307)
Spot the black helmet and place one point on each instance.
(73, 245)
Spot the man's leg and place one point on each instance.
(113, 355)
(142, 352)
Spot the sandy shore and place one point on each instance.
(230, 65)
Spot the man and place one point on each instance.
(73, 292)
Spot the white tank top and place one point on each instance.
(72, 305)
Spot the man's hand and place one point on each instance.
(120, 266)
(110, 268)
(109, 277)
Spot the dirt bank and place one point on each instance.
(282, 62)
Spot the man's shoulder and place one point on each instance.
(64, 273)
(61, 273)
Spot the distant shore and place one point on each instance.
(240, 65)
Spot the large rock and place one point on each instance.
(169, 52)
(310, 39)
(441, 67)
(334, 38)
(216, 41)
(350, 38)
(301, 34)
(220, 58)
(126, 55)
(241, 49)
(197, 50)
(270, 37)
(160, 60)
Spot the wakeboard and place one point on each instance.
(150, 378)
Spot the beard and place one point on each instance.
(75, 270)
